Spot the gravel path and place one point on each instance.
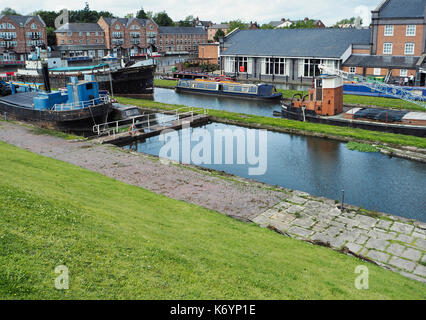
(236, 198)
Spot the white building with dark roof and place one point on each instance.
(293, 54)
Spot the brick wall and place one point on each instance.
(180, 42)
(399, 39)
(79, 38)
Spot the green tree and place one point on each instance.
(163, 19)
(187, 22)
(141, 14)
(351, 21)
(9, 12)
(237, 24)
(219, 34)
(47, 16)
(51, 36)
(129, 15)
(267, 26)
(302, 24)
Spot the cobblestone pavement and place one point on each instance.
(392, 242)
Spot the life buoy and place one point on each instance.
(132, 130)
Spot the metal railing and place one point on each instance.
(163, 119)
(394, 91)
(81, 104)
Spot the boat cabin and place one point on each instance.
(325, 98)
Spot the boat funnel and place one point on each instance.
(45, 72)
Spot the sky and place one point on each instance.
(329, 11)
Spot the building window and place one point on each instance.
(377, 71)
(69, 34)
(411, 30)
(352, 70)
(33, 26)
(117, 27)
(387, 48)
(63, 41)
(274, 66)
(389, 30)
(233, 64)
(403, 73)
(311, 68)
(409, 48)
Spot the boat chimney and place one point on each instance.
(45, 72)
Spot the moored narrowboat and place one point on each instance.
(230, 89)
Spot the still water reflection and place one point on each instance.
(323, 168)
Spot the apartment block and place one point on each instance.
(81, 40)
(19, 37)
(129, 36)
(180, 39)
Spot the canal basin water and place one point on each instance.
(260, 108)
(324, 168)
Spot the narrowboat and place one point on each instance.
(75, 110)
(230, 89)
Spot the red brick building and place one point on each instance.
(398, 40)
(180, 39)
(129, 36)
(81, 40)
(19, 37)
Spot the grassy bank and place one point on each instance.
(347, 99)
(123, 242)
(295, 126)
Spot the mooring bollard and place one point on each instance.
(343, 200)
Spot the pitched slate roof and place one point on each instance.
(317, 43)
(400, 62)
(402, 9)
(125, 21)
(80, 27)
(182, 30)
(22, 21)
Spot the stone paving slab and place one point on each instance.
(395, 243)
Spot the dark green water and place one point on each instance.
(324, 168)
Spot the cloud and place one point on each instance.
(329, 11)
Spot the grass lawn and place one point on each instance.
(124, 242)
(347, 99)
(294, 126)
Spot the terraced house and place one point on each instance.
(19, 36)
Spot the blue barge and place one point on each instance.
(76, 109)
(230, 89)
